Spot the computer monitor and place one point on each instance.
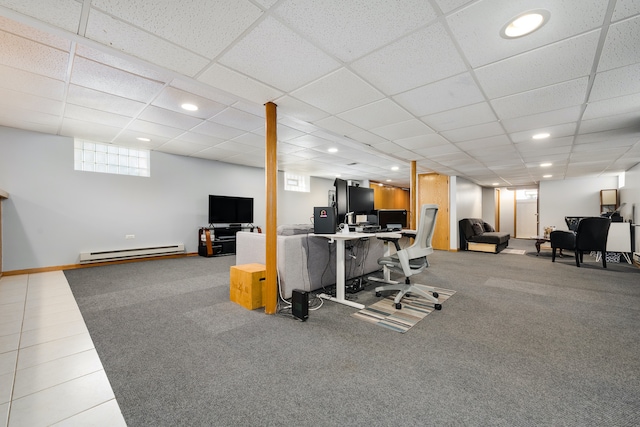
(393, 217)
(341, 198)
(360, 200)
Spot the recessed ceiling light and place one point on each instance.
(525, 23)
(380, 184)
(143, 139)
(495, 184)
(394, 168)
(547, 176)
(189, 107)
(337, 175)
(332, 150)
(388, 180)
(541, 135)
(545, 165)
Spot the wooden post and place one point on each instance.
(413, 192)
(270, 293)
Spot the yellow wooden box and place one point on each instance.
(247, 283)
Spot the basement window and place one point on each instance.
(92, 156)
(293, 182)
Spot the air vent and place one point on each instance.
(351, 164)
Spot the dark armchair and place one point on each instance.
(591, 235)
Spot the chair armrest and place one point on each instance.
(395, 241)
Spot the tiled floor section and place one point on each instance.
(50, 372)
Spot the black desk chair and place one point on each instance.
(591, 235)
(412, 260)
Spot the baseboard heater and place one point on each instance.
(120, 254)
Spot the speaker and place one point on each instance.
(324, 220)
(300, 304)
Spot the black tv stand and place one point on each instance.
(222, 239)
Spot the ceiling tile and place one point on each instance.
(217, 130)
(477, 27)
(378, 113)
(9, 113)
(200, 139)
(623, 123)
(420, 58)
(366, 137)
(31, 33)
(212, 24)
(447, 94)
(461, 117)
(338, 126)
(29, 102)
(536, 101)
(98, 100)
(541, 120)
(539, 67)
(349, 30)
(88, 130)
(625, 8)
(181, 147)
(401, 130)
(238, 119)
(123, 63)
(33, 57)
(150, 129)
(448, 5)
(111, 80)
(239, 85)
(90, 115)
(621, 46)
(614, 83)
(491, 141)
(275, 55)
(421, 141)
(609, 107)
(557, 131)
(337, 92)
(109, 31)
(478, 131)
(34, 84)
(64, 14)
(172, 99)
(170, 118)
(301, 110)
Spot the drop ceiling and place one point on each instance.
(385, 82)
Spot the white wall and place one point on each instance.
(466, 198)
(489, 205)
(54, 212)
(507, 211)
(630, 194)
(571, 197)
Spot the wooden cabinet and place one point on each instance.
(608, 201)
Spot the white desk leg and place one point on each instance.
(340, 279)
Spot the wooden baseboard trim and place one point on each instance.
(95, 264)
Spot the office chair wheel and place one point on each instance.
(438, 306)
(378, 294)
(398, 306)
(435, 294)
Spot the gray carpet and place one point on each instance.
(523, 342)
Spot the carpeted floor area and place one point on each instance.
(523, 342)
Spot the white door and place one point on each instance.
(526, 215)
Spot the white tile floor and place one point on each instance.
(50, 372)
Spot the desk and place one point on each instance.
(340, 238)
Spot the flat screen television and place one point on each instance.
(360, 200)
(230, 210)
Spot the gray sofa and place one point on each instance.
(477, 235)
(308, 262)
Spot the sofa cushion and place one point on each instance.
(488, 227)
(477, 229)
(491, 237)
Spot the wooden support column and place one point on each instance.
(270, 294)
(413, 192)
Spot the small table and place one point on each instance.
(540, 240)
